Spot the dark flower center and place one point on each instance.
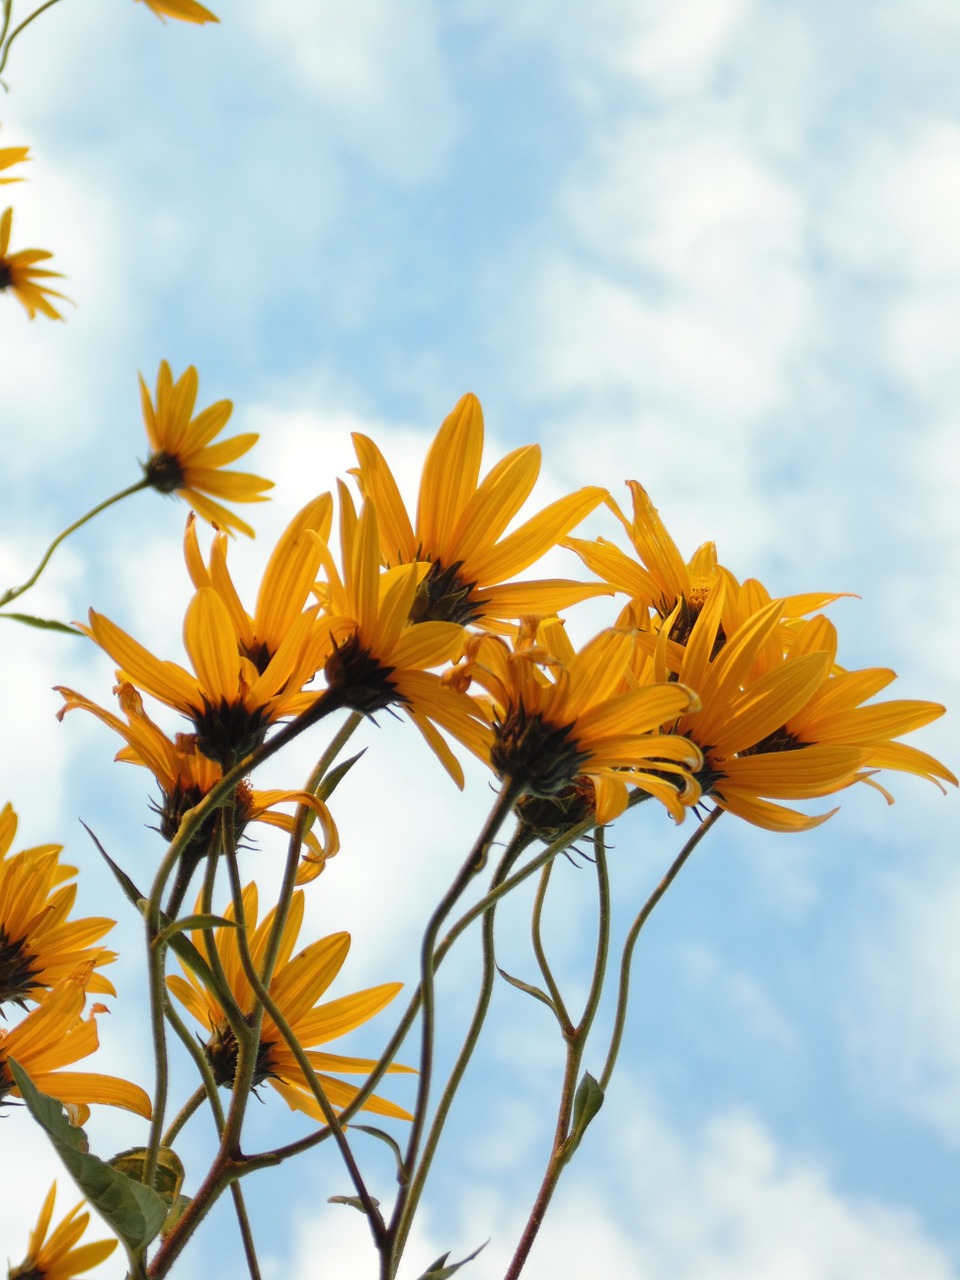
(164, 472)
(547, 818)
(230, 731)
(6, 277)
(222, 1053)
(17, 972)
(543, 757)
(358, 678)
(443, 596)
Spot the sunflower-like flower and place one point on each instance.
(184, 461)
(182, 10)
(460, 523)
(296, 987)
(59, 1257)
(779, 724)
(660, 580)
(39, 945)
(9, 156)
(54, 1035)
(377, 657)
(561, 715)
(20, 274)
(185, 776)
(231, 703)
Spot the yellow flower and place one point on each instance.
(59, 1258)
(232, 704)
(184, 461)
(9, 156)
(663, 580)
(185, 776)
(38, 944)
(377, 657)
(560, 715)
(182, 10)
(296, 988)
(20, 274)
(460, 524)
(54, 1035)
(779, 724)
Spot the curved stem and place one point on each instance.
(541, 955)
(48, 4)
(14, 592)
(630, 943)
(189, 1108)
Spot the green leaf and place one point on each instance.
(391, 1143)
(440, 1269)
(587, 1102)
(529, 989)
(43, 624)
(133, 1212)
(126, 884)
(353, 1201)
(332, 780)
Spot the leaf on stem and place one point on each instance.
(586, 1103)
(353, 1201)
(391, 1143)
(530, 989)
(133, 1212)
(440, 1270)
(43, 624)
(169, 1175)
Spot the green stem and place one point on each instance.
(14, 592)
(473, 865)
(48, 4)
(189, 1108)
(541, 956)
(630, 943)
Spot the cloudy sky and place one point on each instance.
(710, 245)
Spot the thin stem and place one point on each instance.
(48, 4)
(246, 1231)
(541, 955)
(189, 1108)
(630, 943)
(472, 866)
(14, 592)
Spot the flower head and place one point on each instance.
(184, 460)
(561, 715)
(786, 723)
(182, 10)
(59, 1257)
(296, 987)
(460, 526)
(39, 945)
(20, 274)
(54, 1035)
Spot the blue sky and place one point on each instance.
(707, 244)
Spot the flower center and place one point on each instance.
(6, 277)
(17, 972)
(543, 757)
(230, 731)
(164, 472)
(359, 679)
(443, 596)
(222, 1052)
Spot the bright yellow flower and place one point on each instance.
(39, 945)
(231, 703)
(560, 715)
(461, 522)
(20, 274)
(377, 657)
(54, 1035)
(9, 156)
(185, 776)
(59, 1258)
(296, 988)
(662, 580)
(786, 725)
(185, 462)
(182, 10)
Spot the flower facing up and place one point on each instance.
(185, 776)
(560, 715)
(460, 526)
(58, 1256)
(297, 985)
(782, 723)
(20, 274)
(39, 945)
(184, 459)
(9, 156)
(55, 1035)
(377, 657)
(182, 10)
(230, 702)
